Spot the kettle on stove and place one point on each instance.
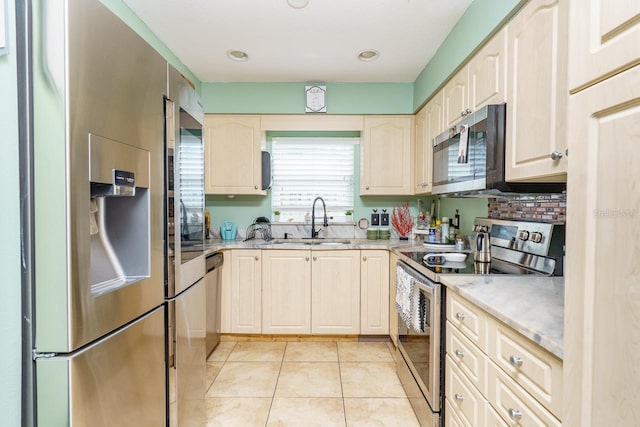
(483, 247)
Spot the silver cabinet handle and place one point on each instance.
(364, 258)
(515, 361)
(468, 111)
(514, 414)
(257, 258)
(306, 258)
(463, 113)
(459, 397)
(459, 353)
(366, 187)
(556, 155)
(460, 316)
(255, 187)
(315, 258)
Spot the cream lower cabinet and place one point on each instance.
(335, 292)
(494, 375)
(374, 292)
(387, 155)
(245, 291)
(537, 96)
(286, 291)
(232, 155)
(602, 301)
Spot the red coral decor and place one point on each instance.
(402, 220)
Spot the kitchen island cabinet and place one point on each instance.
(232, 155)
(537, 96)
(286, 291)
(374, 292)
(387, 151)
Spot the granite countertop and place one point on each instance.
(532, 305)
(217, 244)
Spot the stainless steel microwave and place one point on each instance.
(469, 158)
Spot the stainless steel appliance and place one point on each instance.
(186, 288)
(214, 263)
(515, 247)
(98, 352)
(482, 253)
(420, 359)
(469, 158)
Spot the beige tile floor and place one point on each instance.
(305, 383)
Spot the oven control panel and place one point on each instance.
(524, 236)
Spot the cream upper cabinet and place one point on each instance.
(602, 302)
(335, 292)
(456, 97)
(429, 123)
(246, 289)
(387, 154)
(286, 291)
(488, 73)
(604, 38)
(374, 292)
(232, 153)
(537, 93)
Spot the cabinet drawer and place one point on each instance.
(492, 419)
(452, 416)
(469, 319)
(466, 356)
(514, 404)
(538, 371)
(463, 396)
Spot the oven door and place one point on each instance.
(419, 342)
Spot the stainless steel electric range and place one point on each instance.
(516, 247)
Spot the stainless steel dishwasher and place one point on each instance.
(214, 263)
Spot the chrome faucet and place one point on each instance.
(314, 233)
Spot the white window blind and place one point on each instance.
(305, 168)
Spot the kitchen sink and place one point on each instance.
(310, 242)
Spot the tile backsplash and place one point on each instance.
(532, 207)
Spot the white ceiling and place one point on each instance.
(318, 43)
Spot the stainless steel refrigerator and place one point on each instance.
(98, 180)
(186, 290)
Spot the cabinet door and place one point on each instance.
(246, 301)
(286, 292)
(387, 156)
(488, 73)
(374, 292)
(232, 152)
(393, 314)
(603, 38)
(335, 292)
(537, 93)
(429, 124)
(456, 97)
(602, 332)
(466, 401)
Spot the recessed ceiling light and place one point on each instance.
(368, 55)
(237, 55)
(298, 4)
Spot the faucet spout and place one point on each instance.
(325, 222)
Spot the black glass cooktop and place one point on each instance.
(496, 266)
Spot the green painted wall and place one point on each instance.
(480, 20)
(131, 19)
(10, 220)
(288, 98)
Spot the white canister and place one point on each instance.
(445, 229)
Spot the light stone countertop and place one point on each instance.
(211, 245)
(533, 306)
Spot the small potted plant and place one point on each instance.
(348, 215)
(276, 216)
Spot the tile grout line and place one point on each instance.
(276, 386)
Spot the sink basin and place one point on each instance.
(311, 242)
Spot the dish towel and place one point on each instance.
(404, 291)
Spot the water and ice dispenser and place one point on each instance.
(119, 214)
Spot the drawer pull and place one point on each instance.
(459, 353)
(256, 258)
(515, 361)
(306, 258)
(459, 397)
(514, 414)
(460, 316)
